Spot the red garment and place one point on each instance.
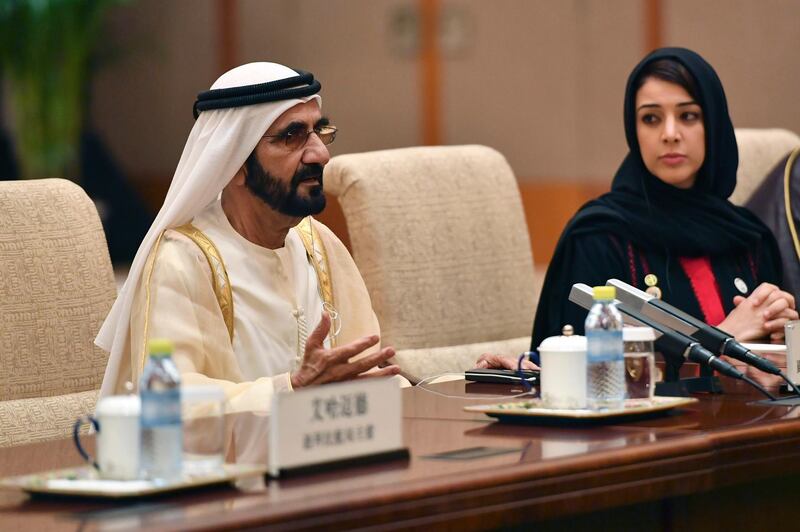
(705, 287)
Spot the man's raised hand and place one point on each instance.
(322, 365)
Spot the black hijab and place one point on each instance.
(656, 216)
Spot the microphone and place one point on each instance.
(582, 295)
(713, 339)
(671, 343)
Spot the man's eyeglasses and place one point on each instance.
(296, 138)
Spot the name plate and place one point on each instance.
(338, 422)
(792, 339)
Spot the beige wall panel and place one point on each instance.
(753, 46)
(370, 92)
(514, 88)
(611, 38)
(142, 101)
(543, 82)
(540, 80)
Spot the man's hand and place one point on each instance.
(321, 365)
(762, 314)
(494, 361)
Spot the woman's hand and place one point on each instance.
(495, 361)
(763, 313)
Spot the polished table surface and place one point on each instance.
(705, 462)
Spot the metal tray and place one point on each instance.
(84, 482)
(533, 410)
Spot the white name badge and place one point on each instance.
(335, 422)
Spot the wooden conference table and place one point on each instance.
(724, 463)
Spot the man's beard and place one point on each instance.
(282, 197)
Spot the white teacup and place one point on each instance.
(118, 441)
(563, 371)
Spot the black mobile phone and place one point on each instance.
(502, 376)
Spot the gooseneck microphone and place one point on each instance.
(713, 339)
(671, 342)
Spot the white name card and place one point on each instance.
(335, 422)
(792, 338)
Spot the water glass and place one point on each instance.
(203, 414)
(639, 362)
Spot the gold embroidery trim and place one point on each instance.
(787, 176)
(149, 266)
(219, 275)
(319, 259)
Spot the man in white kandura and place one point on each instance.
(257, 296)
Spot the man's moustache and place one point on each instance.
(311, 171)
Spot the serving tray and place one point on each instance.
(535, 410)
(84, 482)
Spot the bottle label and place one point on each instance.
(603, 345)
(161, 408)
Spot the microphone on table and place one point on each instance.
(582, 295)
(672, 343)
(713, 339)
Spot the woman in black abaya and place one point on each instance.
(667, 225)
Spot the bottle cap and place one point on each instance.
(160, 347)
(604, 292)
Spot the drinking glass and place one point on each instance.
(203, 414)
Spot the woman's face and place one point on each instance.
(669, 127)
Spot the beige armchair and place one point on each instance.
(56, 286)
(440, 238)
(759, 151)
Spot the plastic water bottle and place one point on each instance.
(162, 429)
(605, 362)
